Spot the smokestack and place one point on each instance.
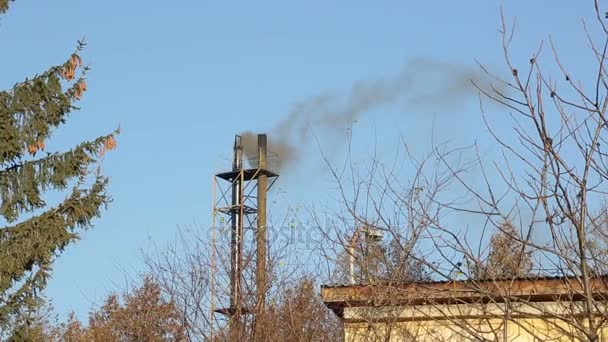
(236, 240)
(261, 231)
(243, 180)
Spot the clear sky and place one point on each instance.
(182, 77)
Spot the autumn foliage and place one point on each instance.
(143, 315)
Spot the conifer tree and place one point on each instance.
(32, 233)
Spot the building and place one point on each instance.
(541, 309)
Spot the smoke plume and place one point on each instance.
(421, 84)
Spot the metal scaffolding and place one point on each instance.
(239, 196)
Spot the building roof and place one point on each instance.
(539, 289)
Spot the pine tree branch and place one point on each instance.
(21, 185)
(32, 109)
(30, 246)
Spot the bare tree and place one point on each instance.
(194, 274)
(548, 182)
(141, 315)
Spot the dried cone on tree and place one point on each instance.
(4, 5)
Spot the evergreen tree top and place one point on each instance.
(36, 234)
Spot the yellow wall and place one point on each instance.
(458, 323)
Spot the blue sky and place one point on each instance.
(182, 77)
